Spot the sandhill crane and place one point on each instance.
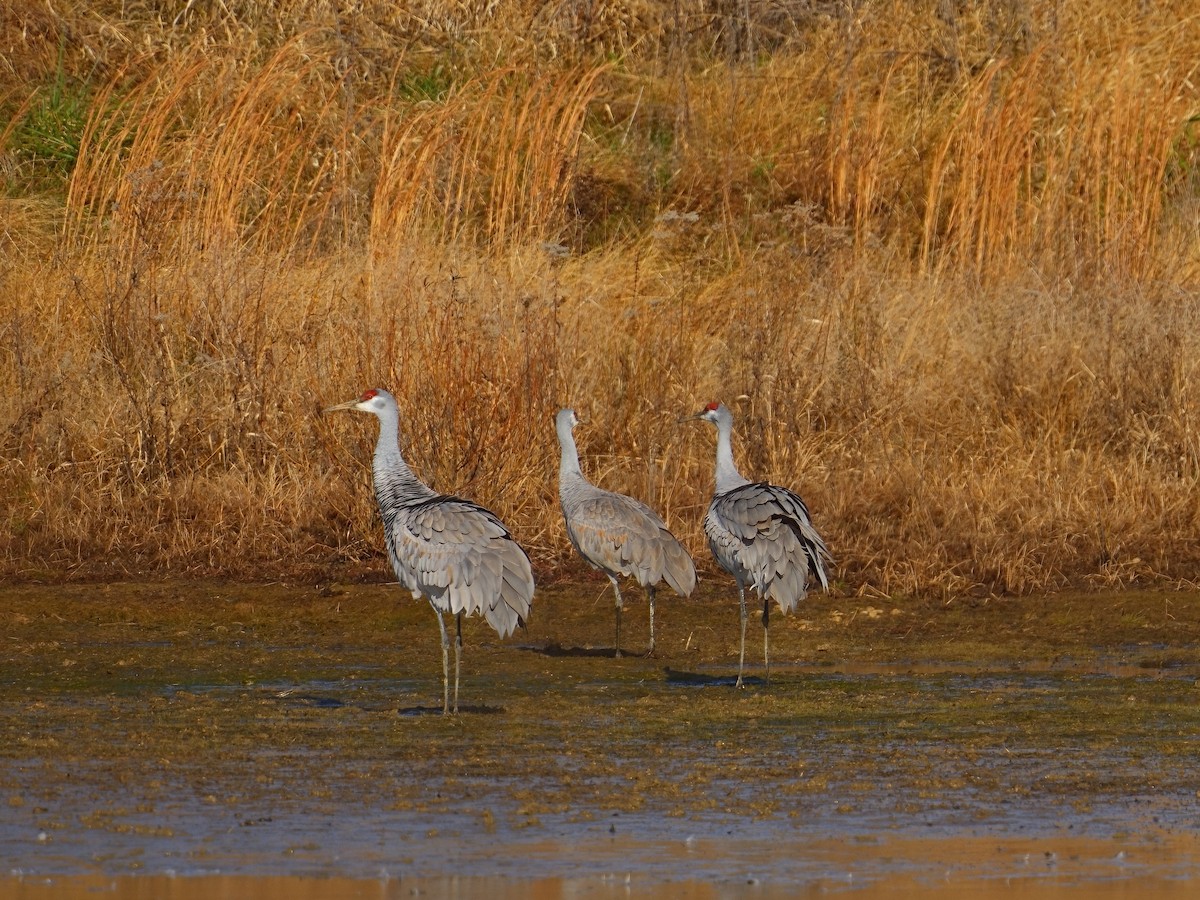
(761, 534)
(451, 551)
(617, 534)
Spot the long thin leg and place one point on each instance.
(445, 663)
(457, 656)
(742, 652)
(620, 603)
(650, 594)
(767, 639)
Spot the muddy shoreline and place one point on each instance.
(210, 730)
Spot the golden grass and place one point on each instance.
(943, 265)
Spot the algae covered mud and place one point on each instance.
(290, 739)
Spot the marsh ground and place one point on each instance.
(233, 730)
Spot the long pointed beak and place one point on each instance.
(349, 404)
(692, 418)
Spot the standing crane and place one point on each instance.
(617, 534)
(761, 534)
(451, 551)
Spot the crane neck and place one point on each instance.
(394, 480)
(727, 475)
(568, 464)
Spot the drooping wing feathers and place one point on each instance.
(762, 535)
(623, 536)
(462, 558)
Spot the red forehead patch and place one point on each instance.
(368, 395)
(712, 407)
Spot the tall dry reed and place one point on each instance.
(941, 262)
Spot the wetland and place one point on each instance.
(210, 730)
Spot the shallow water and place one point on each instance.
(180, 739)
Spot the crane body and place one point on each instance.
(762, 535)
(451, 551)
(620, 536)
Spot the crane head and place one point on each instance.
(710, 413)
(374, 400)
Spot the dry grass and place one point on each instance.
(943, 262)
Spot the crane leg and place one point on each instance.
(620, 604)
(767, 640)
(742, 652)
(457, 656)
(445, 663)
(650, 594)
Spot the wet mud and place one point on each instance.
(292, 737)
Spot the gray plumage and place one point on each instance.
(761, 534)
(617, 534)
(451, 551)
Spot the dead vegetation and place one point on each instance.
(941, 259)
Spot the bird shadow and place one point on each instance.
(463, 710)
(557, 649)
(316, 700)
(696, 679)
